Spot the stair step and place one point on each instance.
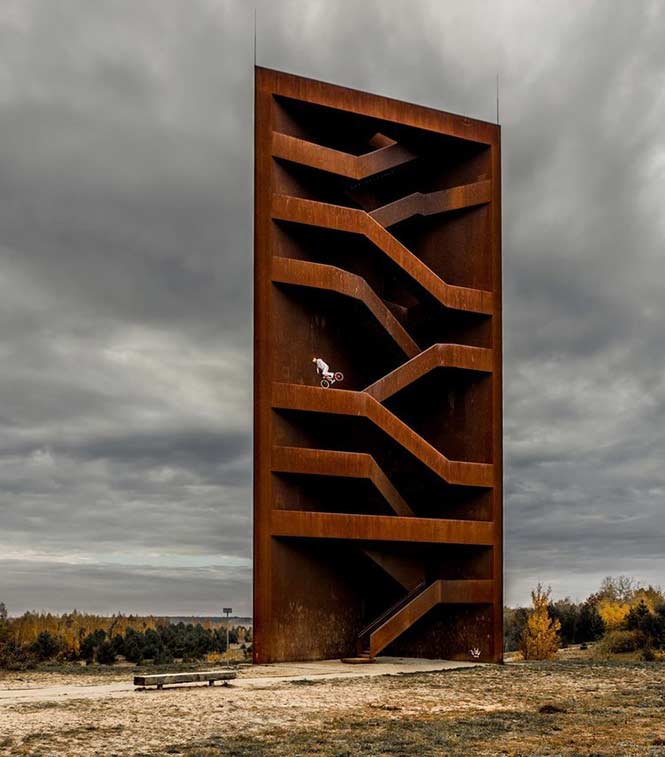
(360, 660)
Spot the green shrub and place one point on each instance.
(118, 644)
(13, 656)
(45, 647)
(514, 623)
(134, 646)
(649, 625)
(591, 626)
(106, 653)
(163, 658)
(90, 645)
(617, 642)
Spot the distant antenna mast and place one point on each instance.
(497, 97)
(255, 36)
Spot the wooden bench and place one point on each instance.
(162, 679)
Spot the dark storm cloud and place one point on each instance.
(119, 149)
(105, 588)
(125, 301)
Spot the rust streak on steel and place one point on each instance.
(320, 276)
(340, 218)
(323, 462)
(418, 415)
(338, 162)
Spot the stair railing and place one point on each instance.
(365, 633)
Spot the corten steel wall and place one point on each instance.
(378, 504)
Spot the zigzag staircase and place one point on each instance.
(381, 402)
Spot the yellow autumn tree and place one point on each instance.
(652, 597)
(613, 612)
(540, 639)
(617, 595)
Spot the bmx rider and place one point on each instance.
(323, 369)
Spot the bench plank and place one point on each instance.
(161, 679)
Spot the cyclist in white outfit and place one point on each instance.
(323, 369)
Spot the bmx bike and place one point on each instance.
(326, 383)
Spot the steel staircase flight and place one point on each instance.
(340, 218)
(386, 155)
(344, 402)
(414, 605)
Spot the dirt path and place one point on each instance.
(260, 676)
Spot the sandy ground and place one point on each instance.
(32, 686)
(594, 709)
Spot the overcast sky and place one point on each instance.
(125, 279)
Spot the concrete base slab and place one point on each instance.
(260, 675)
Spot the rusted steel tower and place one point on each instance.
(378, 504)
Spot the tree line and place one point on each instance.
(36, 638)
(622, 616)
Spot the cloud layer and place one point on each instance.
(125, 279)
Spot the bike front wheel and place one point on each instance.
(339, 376)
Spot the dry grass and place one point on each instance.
(567, 707)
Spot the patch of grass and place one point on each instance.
(37, 706)
(26, 708)
(364, 737)
(81, 730)
(551, 709)
(33, 739)
(30, 738)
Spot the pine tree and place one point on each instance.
(540, 639)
